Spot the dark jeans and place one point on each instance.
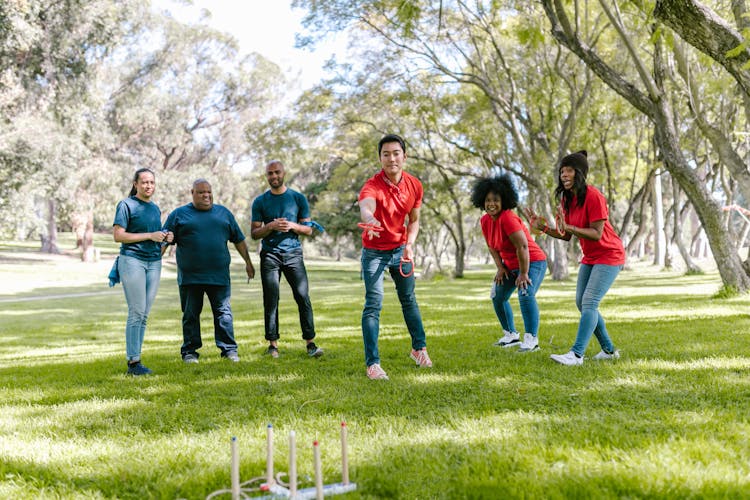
(191, 300)
(292, 265)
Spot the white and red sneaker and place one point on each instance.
(375, 372)
(421, 358)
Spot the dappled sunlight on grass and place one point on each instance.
(706, 363)
(667, 420)
(427, 377)
(59, 354)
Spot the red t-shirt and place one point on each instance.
(497, 235)
(393, 202)
(608, 250)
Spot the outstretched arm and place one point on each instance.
(367, 208)
(594, 232)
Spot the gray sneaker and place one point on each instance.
(530, 343)
(509, 339)
(232, 356)
(606, 355)
(190, 359)
(272, 351)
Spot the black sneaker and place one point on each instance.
(138, 369)
(314, 351)
(272, 351)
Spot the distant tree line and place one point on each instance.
(658, 92)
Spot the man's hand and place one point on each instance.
(409, 252)
(282, 225)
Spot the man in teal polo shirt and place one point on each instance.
(279, 216)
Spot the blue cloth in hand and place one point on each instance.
(114, 273)
(317, 228)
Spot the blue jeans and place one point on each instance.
(140, 282)
(374, 263)
(593, 283)
(292, 265)
(526, 299)
(191, 300)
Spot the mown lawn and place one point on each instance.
(668, 420)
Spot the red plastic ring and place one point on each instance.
(401, 267)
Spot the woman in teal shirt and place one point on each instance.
(137, 226)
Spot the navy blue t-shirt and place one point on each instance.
(201, 237)
(138, 216)
(291, 205)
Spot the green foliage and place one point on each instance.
(95, 90)
(667, 420)
(727, 292)
(695, 272)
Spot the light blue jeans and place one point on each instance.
(593, 283)
(140, 282)
(374, 263)
(526, 299)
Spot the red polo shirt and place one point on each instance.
(608, 250)
(497, 235)
(393, 202)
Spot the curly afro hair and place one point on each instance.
(501, 185)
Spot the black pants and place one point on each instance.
(292, 265)
(191, 300)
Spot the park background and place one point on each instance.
(657, 92)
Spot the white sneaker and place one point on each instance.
(605, 355)
(509, 339)
(530, 343)
(569, 359)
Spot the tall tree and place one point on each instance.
(649, 97)
(526, 97)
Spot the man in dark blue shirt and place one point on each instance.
(279, 216)
(201, 232)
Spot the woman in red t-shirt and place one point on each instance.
(521, 264)
(583, 213)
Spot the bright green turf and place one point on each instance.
(668, 420)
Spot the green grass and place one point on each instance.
(668, 420)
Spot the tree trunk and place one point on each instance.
(655, 105)
(690, 266)
(88, 250)
(636, 244)
(660, 239)
(460, 255)
(706, 31)
(709, 212)
(49, 240)
(460, 259)
(560, 260)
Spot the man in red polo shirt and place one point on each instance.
(385, 202)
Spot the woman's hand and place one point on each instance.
(501, 274)
(536, 222)
(523, 281)
(157, 236)
(562, 227)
